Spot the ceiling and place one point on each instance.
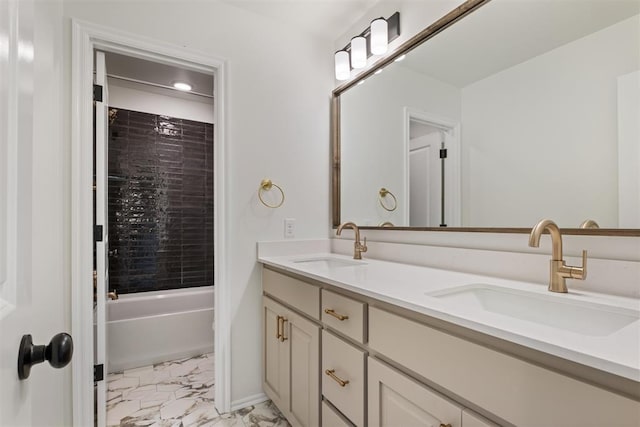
(325, 18)
(504, 33)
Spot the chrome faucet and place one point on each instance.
(559, 270)
(358, 247)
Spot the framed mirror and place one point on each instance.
(499, 114)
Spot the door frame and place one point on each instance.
(86, 37)
(452, 172)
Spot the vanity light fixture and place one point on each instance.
(358, 52)
(379, 36)
(374, 40)
(184, 87)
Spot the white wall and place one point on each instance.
(561, 106)
(373, 151)
(138, 97)
(278, 87)
(51, 388)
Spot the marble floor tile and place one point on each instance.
(178, 393)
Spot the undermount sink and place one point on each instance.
(328, 262)
(586, 318)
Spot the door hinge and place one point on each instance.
(97, 233)
(97, 93)
(98, 373)
(443, 153)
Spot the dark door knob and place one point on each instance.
(58, 353)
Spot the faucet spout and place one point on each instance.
(559, 270)
(358, 247)
(556, 238)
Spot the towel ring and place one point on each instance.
(266, 185)
(383, 193)
(386, 224)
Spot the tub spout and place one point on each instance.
(113, 295)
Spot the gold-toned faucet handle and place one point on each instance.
(364, 245)
(584, 265)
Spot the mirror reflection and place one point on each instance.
(521, 110)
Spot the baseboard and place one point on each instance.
(248, 401)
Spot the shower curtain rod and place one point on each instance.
(128, 79)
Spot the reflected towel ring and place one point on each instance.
(383, 193)
(266, 185)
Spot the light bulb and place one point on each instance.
(343, 70)
(358, 52)
(185, 87)
(379, 36)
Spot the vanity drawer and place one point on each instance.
(296, 293)
(344, 314)
(343, 362)
(330, 418)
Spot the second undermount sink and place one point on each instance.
(328, 262)
(558, 311)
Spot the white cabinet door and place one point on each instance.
(275, 380)
(397, 400)
(304, 343)
(291, 375)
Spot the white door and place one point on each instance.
(16, 124)
(102, 264)
(425, 180)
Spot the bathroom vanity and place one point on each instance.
(379, 343)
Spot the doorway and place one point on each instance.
(88, 39)
(433, 164)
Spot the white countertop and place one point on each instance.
(408, 286)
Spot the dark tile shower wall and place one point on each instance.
(160, 202)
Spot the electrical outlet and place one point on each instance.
(289, 228)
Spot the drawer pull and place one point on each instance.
(278, 327)
(340, 317)
(281, 323)
(445, 425)
(331, 373)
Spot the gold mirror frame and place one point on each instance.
(424, 35)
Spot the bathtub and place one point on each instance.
(153, 327)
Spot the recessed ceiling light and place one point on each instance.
(400, 58)
(185, 87)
